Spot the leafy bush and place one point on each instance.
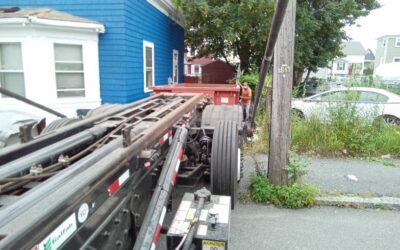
(296, 195)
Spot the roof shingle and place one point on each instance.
(45, 13)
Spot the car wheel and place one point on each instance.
(297, 114)
(391, 119)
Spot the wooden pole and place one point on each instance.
(279, 143)
(268, 103)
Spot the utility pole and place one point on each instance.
(282, 98)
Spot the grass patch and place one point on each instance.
(346, 133)
(296, 195)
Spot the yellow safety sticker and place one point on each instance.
(190, 214)
(213, 245)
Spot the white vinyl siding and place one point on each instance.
(11, 69)
(69, 70)
(148, 65)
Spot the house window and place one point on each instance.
(175, 65)
(196, 70)
(397, 43)
(148, 64)
(11, 71)
(69, 70)
(340, 66)
(396, 59)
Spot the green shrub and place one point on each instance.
(296, 168)
(291, 196)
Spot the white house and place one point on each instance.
(50, 57)
(353, 61)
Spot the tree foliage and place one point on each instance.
(320, 29)
(241, 27)
(228, 27)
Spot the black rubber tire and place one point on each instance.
(391, 119)
(297, 114)
(58, 124)
(224, 160)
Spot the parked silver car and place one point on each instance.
(380, 102)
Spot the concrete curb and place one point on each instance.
(389, 203)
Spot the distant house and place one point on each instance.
(369, 62)
(387, 50)
(207, 70)
(353, 61)
(78, 54)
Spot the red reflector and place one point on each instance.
(113, 187)
(173, 178)
(180, 154)
(156, 236)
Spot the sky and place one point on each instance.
(380, 22)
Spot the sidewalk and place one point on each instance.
(373, 178)
(261, 226)
(331, 175)
(343, 181)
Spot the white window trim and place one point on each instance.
(151, 45)
(15, 70)
(397, 42)
(397, 57)
(193, 71)
(61, 71)
(177, 76)
(340, 64)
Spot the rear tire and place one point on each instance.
(297, 114)
(391, 119)
(224, 160)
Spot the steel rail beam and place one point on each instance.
(60, 192)
(13, 152)
(151, 226)
(51, 152)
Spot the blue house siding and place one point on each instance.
(128, 23)
(146, 23)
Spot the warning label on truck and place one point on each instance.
(213, 245)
